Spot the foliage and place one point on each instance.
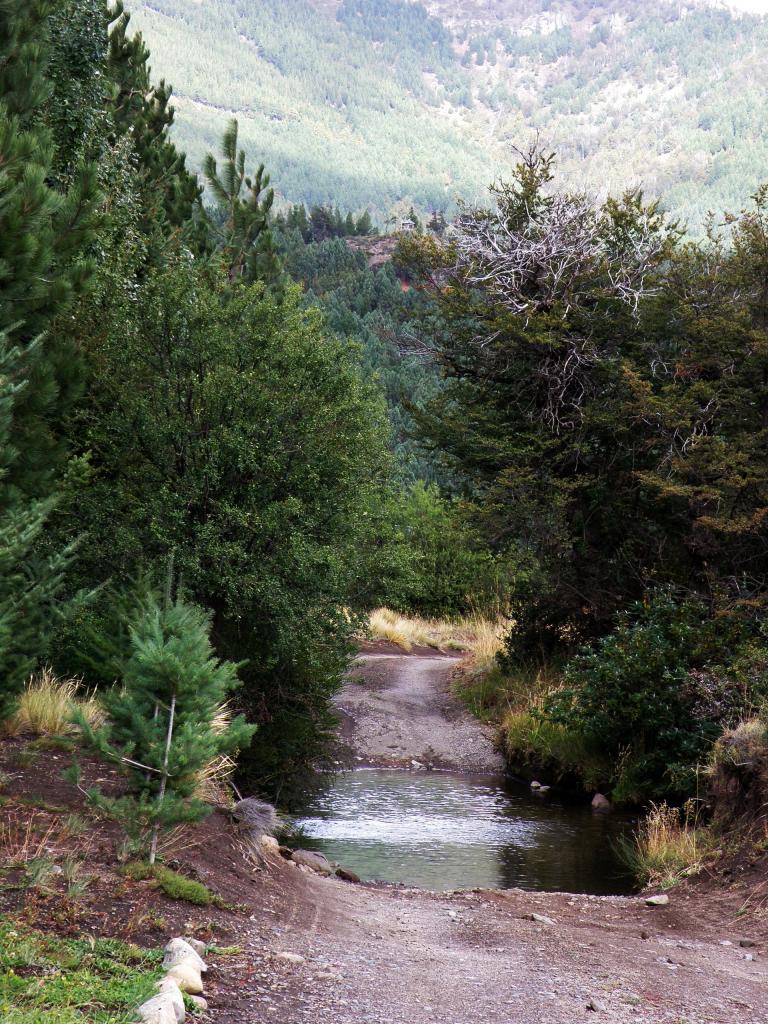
(43, 267)
(102, 980)
(159, 722)
(635, 695)
(254, 452)
(537, 745)
(171, 883)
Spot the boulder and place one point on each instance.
(200, 1003)
(535, 785)
(270, 845)
(159, 1010)
(347, 876)
(601, 803)
(540, 919)
(314, 861)
(179, 950)
(187, 977)
(596, 1006)
(168, 988)
(198, 946)
(657, 901)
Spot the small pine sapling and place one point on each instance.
(160, 723)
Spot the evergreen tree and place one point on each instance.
(144, 110)
(161, 721)
(244, 206)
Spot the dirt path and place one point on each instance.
(389, 955)
(398, 708)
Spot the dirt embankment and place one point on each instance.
(392, 955)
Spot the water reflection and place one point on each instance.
(443, 831)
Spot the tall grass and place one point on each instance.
(668, 844)
(478, 637)
(46, 706)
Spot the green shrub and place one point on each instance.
(646, 696)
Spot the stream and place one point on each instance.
(445, 830)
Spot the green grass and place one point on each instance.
(174, 885)
(48, 980)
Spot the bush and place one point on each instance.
(537, 746)
(648, 697)
(668, 844)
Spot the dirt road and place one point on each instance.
(323, 950)
(398, 708)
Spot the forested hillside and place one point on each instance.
(384, 103)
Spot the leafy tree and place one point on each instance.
(228, 426)
(161, 720)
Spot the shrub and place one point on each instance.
(534, 744)
(638, 696)
(47, 704)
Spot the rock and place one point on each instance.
(535, 785)
(596, 1006)
(328, 976)
(416, 764)
(286, 851)
(291, 958)
(316, 862)
(347, 876)
(168, 987)
(159, 1010)
(541, 790)
(657, 901)
(746, 943)
(198, 946)
(270, 845)
(644, 935)
(179, 950)
(601, 803)
(199, 1002)
(187, 977)
(540, 919)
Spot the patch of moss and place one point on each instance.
(174, 885)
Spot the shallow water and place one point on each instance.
(439, 830)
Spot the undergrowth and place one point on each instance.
(668, 845)
(49, 980)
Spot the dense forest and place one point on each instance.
(382, 103)
(226, 437)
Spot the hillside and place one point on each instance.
(380, 103)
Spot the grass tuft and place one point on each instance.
(46, 706)
(667, 845)
(174, 885)
(477, 637)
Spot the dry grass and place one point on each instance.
(667, 845)
(477, 637)
(46, 706)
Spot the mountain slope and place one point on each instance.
(381, 103)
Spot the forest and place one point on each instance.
(380, 105)
(226, 440)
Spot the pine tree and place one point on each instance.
(144, 110)
(43, 234)
(161, 722)
(244, 205)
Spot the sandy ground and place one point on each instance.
(389, 955)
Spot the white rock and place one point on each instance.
(187, 977)
(168, 987)
(596, 1005)
(601, 803)
(540, 919)
(198, 946)
(290, 958)
(200, 1002)
(158, 1010)
(657, 901)
(316, 862)
(535, 785)
(179, 950)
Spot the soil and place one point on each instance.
(376, 954)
